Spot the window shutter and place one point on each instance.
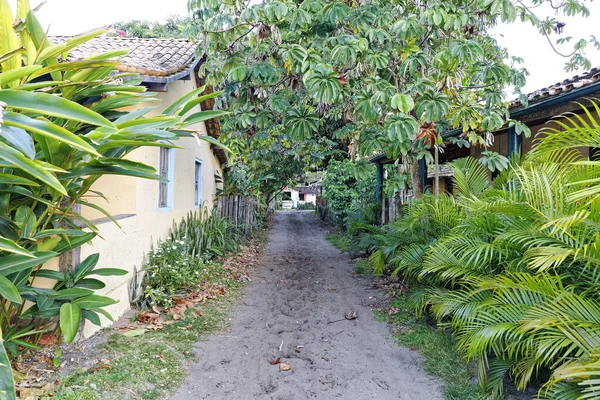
(163, 189)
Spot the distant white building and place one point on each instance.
(292, 198)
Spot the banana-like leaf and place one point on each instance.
(73, 65)
(199, 100)
(23, 9)
(20, 139)
(11, 247)
(86, 266)
(9, 42)
(11, 179)
(48, 129)
(70, 318)
(44, 103)
(179, 103)
(15, 263)
(7, 383)
(54, 232)
(94, 301)
(17, 74)
(8, 291)
(7, 56)
(18, 160)
(109, 272)
(55, 51)
(203, 116)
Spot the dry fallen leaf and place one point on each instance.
(284, 366)
(47, 339)
(275, 361)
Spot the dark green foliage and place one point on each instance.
(512, 268)
(174, 27)
(345, 192)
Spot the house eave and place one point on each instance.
(161, 83)
(542, 105)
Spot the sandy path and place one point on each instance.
(304, 284)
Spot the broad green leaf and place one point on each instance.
(91, 316)
(52, 232)
(10, 54)
(72, 293)
(50, 130)
(11, 247)
(403, 102)
(48, 104)
(11, 179)
(15, 263)
(109, 272)
(44, 302)
(7, 383)
(199, 100)
(182, 101)
(86, 266)
(90, 283)
(8, 38)
(23, 9)
(19, 138)
(203, 116)
(70, 317)
(20, 161)
(26, 220)
(17, 74)
(50, 274)
(94, 301)
(74, 242)
(9, 291)
(57, 50)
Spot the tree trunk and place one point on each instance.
(69, 260)
(437, 171)
(416, 179)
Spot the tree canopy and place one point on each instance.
(380, 76)
(174, 27)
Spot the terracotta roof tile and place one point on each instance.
(575, 82)
(152, 57)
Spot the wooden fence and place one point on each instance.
(392, 208)
(239, 211)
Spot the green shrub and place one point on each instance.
(171, 271)
(306, 206)
(346, 190)
(185, 260)
(511, 266)
(205, 234)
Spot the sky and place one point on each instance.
(69, 17)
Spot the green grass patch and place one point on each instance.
(363, 267)
(340, 241)
(437, 346)
(151, 365)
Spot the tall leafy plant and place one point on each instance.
(63, 127)
(513, 267)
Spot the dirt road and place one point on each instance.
(304, 285)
